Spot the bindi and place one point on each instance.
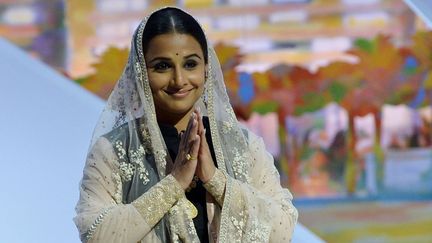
(176, 54)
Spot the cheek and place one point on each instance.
(197, 78)
(157, 81)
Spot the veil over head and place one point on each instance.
(130, 107)
(132, 100)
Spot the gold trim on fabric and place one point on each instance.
(158, 200)
(225, 212)
(213, 125)
(216, 186)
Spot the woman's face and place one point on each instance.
(176, 71)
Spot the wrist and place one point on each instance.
(206, 178)
(179, 181)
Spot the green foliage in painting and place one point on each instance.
(364, 45)
(265, 107)
(337, 91)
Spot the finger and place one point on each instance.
(193, 131)
(189, 125)
(181, 145)
(204, 139)
(182, 141)
(195, 146)
(201, 124)
(199, 119)
(201, 147)
(198, 111)
(189, 141)
(185, 137)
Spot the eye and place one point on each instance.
(161, 66)
(190, 64)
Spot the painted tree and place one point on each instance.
(422, 50)
(106, 72)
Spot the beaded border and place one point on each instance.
(98, 221)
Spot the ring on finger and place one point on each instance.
(189, 157)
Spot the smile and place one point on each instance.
(181, 93)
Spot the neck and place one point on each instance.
(179, 121)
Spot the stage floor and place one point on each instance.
(388, 221)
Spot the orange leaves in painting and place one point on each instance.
(229, 57)
(422, 49)
(380, 64)
(107, 72)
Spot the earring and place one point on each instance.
(205, 97)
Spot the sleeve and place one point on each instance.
(101, 217)
(216, 186)
(258, 211)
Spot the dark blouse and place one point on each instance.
(196, 195)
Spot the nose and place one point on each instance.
(179, 77)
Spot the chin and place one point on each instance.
(178, 109)
(181, 106)
(175, 106)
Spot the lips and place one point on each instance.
(180, 93)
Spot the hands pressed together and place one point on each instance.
(194, 157)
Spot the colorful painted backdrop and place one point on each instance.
(334, 132)
(340, 90)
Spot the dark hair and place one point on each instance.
(173, 20)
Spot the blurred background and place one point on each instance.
(340, 90)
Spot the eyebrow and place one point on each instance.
(192, 55)
(168, 59)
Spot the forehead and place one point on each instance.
(172, 44)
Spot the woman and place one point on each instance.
(144, 182)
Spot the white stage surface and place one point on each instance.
(46, 124)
